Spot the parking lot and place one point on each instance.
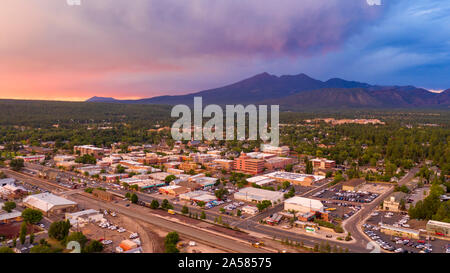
(349, 196)
(400, 244)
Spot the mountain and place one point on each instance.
(293, 91)
(102, 99)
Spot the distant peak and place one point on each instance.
(101, 99)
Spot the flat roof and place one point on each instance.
(439, 223)
(293, 176)
(305, 202)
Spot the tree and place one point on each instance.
(23, 233)
(309, 167)
(93, 246)
(16, 164)
(59, 230)
(203, 215)
(201, 204)
(154, 204)
(32, 238)
(220, 193)
(185, 210)
(238, 213)
(31, 216)
(5, 249)
(285, 185)
(9, 206)
(134, 198)
(86, 159)
(170, 242)
(41, 249)
(165, 204)
(77, 237)
(170, 178)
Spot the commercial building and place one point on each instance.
(225, 164)
(400, 232)
(198, 196)
(249, 165)
(33, 158)
(7, 181)
(261, 180)
(353, 184)
(81, 218)
(295, 178)
(49, 203)
(275, 163)
(251, 194)
(173, 190)
(393, 202)
(250, 210)
(9, 217)
(279, 151)
(11, 192)
(323, 163)
(305, 209)
(104, 195)
(438, 228)
(303, 205)
(90, 150)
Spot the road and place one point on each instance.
(354, 223)
(192, 232)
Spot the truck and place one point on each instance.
(171, 211)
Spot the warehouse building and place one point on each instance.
(400, 232)
(251, 194)
(49, 203)
(306, 209)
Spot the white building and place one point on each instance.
(303, 205)
(49, 203)
(251, 194)
(81, 218)
(250, 210)
(7, 181)
(261, 180)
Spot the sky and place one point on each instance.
(143, 48)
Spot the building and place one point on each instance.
(11, 192)
(393, 202)
(256, 195)
(323, 163)
(188, 166)
(306, 209)
(438, 228)
(198, 196)
(225, 164)
(261, 180)
(90, 150)
(250, 210)
(11, 217)
(303, 205)
(81, 218)
(49, 204)
(295, 178)
(279, 151)
(173, 190)
(7, 181)
(104, 195)
(33, 158)
(400, 232)
(353, 184)
(247, 164)
(275, 163)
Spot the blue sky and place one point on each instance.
(137, 48)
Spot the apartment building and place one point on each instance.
(249, 165)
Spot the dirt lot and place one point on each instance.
(12, 230)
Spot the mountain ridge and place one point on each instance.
(301, 90)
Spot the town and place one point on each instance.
(205, 196)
